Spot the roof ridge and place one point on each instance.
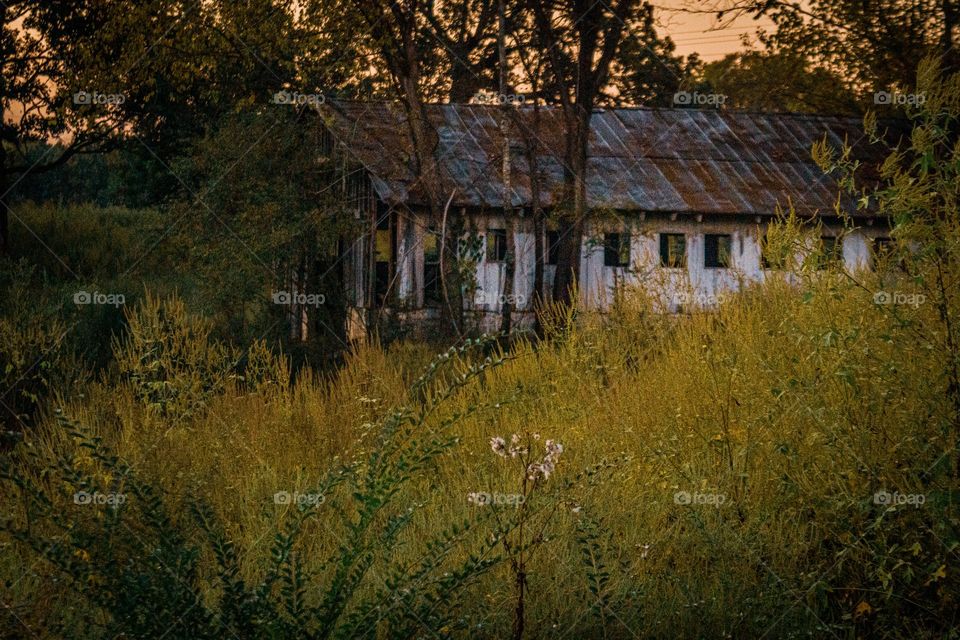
(645, 108)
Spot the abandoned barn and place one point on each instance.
(678, 197)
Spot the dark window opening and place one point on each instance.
(883, 248)
(382, 258)
(431, 268)
(496, 245)
(673, 250)
(616, 250)
(885, 254)
(717, 251)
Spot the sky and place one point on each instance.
(700, 33)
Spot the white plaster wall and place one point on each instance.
(695, 285)
(491, 275)
(856, 250)
(526, 264)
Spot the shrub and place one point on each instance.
(35, 360)
(168, 358)
(124, 549)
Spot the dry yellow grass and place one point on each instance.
(790, 406)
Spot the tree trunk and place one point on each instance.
(575, 195)
(510, 259)
(465, 83)
(509, 267)
(425, 142)
(531, 133)
(948, 43)
(5, 250)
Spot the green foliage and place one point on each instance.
(589, 539)
(874, 46)
(649, 71)
(140, 563)
(778, 82)
(263, 222)
(35, 362)
(169, 359)
(174, 366)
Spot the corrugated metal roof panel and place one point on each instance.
(676, 160)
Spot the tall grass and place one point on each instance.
(745, 447)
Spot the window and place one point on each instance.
(673, 250)
(553, 247)
(831, 251)
(616, 250)
(383, 258)
(431, 268)
(496, 245)
(716, 251)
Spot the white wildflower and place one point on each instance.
(546, 468)
(499, 446)
(515, 449)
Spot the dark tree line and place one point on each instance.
(153, 80)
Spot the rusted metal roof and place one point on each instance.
(655, 160)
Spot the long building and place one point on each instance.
(680, 197)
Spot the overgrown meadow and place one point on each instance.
(784, 465)
(719, 476)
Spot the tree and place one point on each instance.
(580, 39)
(467, 34)
(647, 71)
(401, 43)
(874, 45)
(918, 190)
(778, 82)
(53, 80)
(263, 228)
